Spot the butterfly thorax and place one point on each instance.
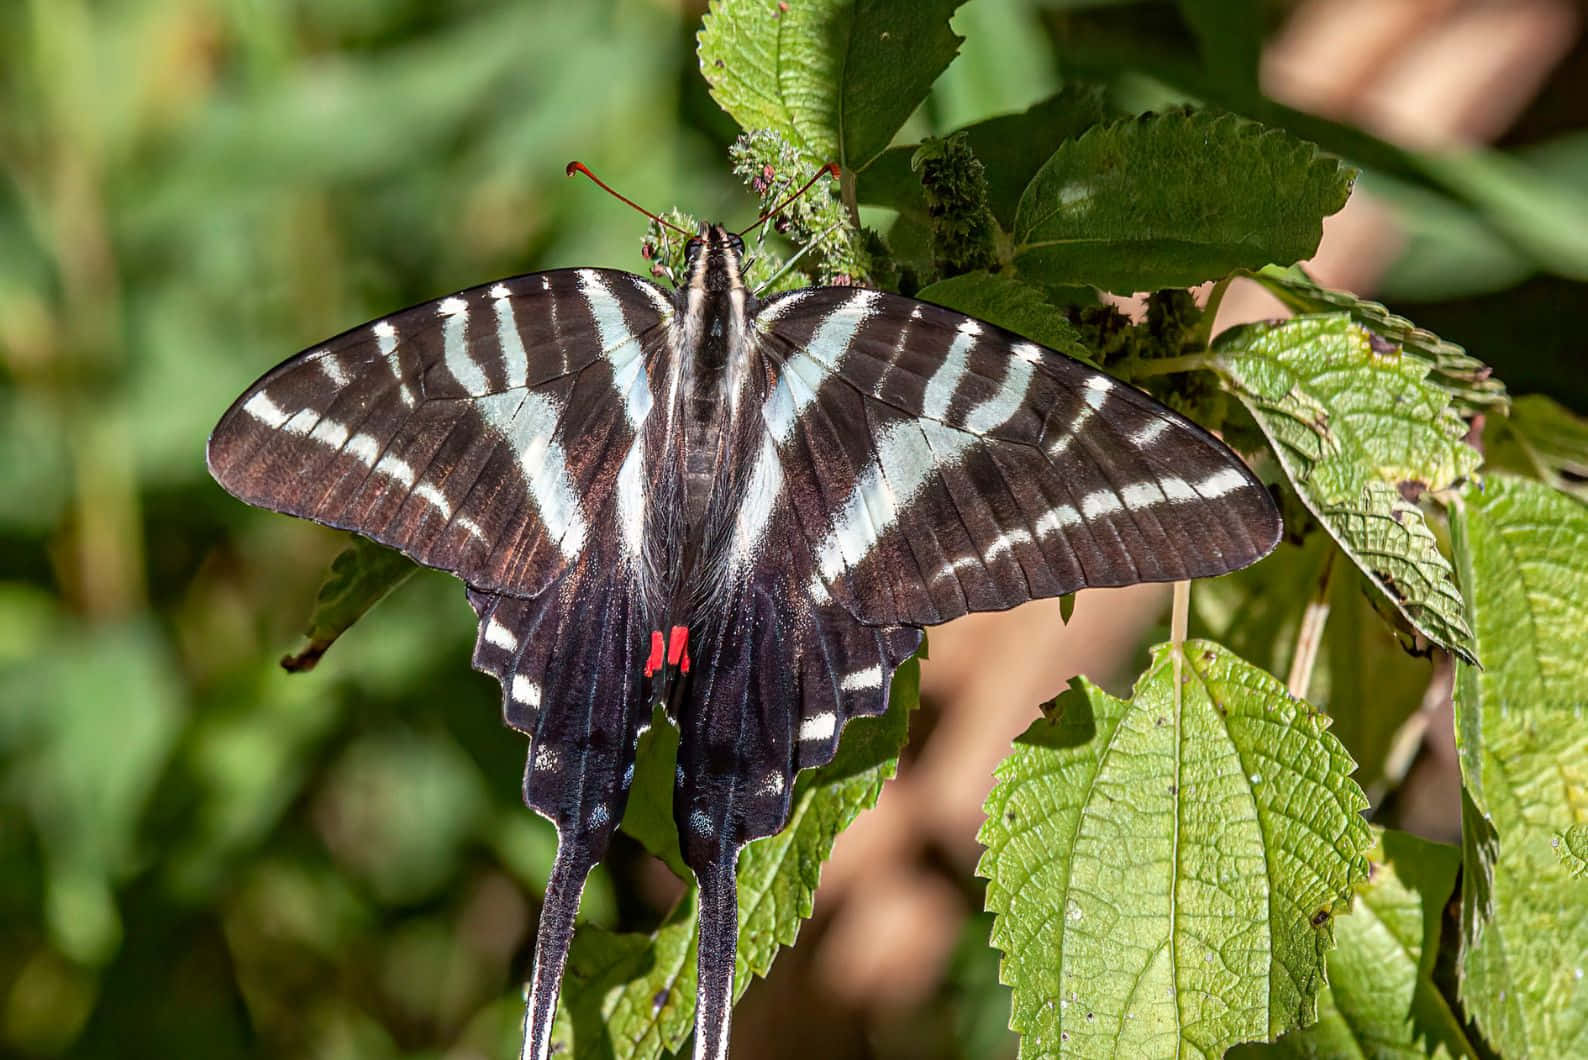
(714, 307)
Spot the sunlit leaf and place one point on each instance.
(1171, 200)
(1571, 846)
(630, 996)
(1382, 1000)
(1522, 729)
(837, 77)
(1166, 869)
(1469, 379)
(1357, 428)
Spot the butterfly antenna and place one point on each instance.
(580, 167)
(829, 168)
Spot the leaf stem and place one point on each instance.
(1310, 636)
(1179, 622)
(1190, 362)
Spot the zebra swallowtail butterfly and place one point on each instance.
(743, 509)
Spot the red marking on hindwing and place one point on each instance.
(654, 663)
(678, 648)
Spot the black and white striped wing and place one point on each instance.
(443, 430)
(930, 465)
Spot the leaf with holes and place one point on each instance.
(1224, 193)
(1382, 1000)
(634, 995)
(1522, 727)
(1468, 379)
(1357, 428)
(837, 77)
(1165, 869)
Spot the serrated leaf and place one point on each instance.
(837, 77)
(1522, 728)
(1171, 200)
(1468, 379)
(634, 995)
(1007, 302)
(1381, 1000)
(1354, 426)
(1165, 870)
(1545, 440)
(1012, 147)
(359, 578)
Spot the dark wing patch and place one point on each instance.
(934, 465)
(444, 430)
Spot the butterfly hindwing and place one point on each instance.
(932, 465)
(454, 430)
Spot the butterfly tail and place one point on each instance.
(718, 953)
(552, 940)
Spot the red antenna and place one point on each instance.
(579, 167)
(829, 168)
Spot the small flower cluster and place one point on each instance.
(663, 248)
(834, 250)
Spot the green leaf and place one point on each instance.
(1171, 200)
(1012, 147)
(1166, 869)
(648, 817)
(1007, 302)
(837, 77)
(1571, 847)
(634, 995)
(1468, 379)
(360, 577)
(1522, 729)
(1381, 1000)
(1354, 428)
(1361, 676)
(1545, 440)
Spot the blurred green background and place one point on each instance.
(200, 855)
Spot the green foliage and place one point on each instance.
(1524, 751)
(360, 576)
(1166, 869)
(837, 77)
(189, 192)
(1382, 999)
(1542, 439)
(1357, 429)
(1226, 194)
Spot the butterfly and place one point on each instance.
(743, 509)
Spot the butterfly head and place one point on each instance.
(713, 256)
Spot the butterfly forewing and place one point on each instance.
(933, 464)
(483, 433)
